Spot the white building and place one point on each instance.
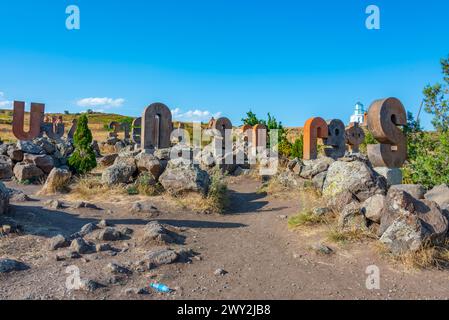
(359, 114)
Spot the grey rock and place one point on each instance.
(439, 194)
(162, 154)
(79, 245)
(318, 180)
(29, 147)
(146, 162)
(101, 247)
(109, 234)
(54, 204)
(15, 154)
(407, 223)
(417, 191)
(108, 160)
(90, 285)
(141, 207)
(372, 207)
(220, 272)
(180, 177)
(42, 161)
(351, 217)
(321, 248)
(103, 224)
(6, 165)
(9, 265)
(313, 167)
(27, 171)
(118, 173)
(155, 233)
(57, 242)
(161, 257)
(87, 229)
(17, 196)
(117, 269)
(57, 181)
(355, 177)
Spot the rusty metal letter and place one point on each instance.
(36, 118)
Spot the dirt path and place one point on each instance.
(252, 243)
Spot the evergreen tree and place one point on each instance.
(83, 158)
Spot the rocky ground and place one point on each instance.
(249, 253)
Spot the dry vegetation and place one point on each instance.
(427, 257)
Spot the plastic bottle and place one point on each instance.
(160, 287)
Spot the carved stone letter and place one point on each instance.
(313, 129)
(157, 126)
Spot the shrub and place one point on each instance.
(217, 196)
(144, 185)
(297, 148)
(83, 158)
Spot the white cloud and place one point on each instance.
(3, 102)
(194, 115)
(104, 103)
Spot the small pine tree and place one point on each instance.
(83, 158)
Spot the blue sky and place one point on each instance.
(295, 59)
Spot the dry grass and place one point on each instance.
(308, 218)
(216, 201)
(427, 257)
(90, 187)
(351, 235)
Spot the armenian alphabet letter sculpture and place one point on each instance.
(157, 127)
(18, 119)
(354, 137)
(313, 129)
(383, 118)
(335, 139)
(136, 130)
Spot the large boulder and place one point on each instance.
(439, 194)
(181, 176)
(57, 181)
(355, 177)
(44, 162)
(146, 162)
(29, 147)
(118, 173)
(27, 171)
(5, 167)
(408, 223)
(4, 198)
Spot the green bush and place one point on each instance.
(83, 158)
(297, 148)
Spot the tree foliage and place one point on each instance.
(83, 158)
